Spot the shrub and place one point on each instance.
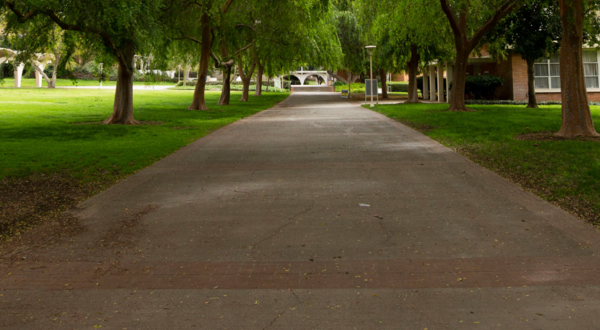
(482, 87)
(398, 86)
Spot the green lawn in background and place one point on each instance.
(566, 172)
(28, 82)
(39, 134)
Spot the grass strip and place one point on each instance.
(517, 143)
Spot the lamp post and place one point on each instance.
(371, 49)
(101, 76)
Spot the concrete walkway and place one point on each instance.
(316, 214)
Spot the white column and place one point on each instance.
(426, 83)
(440, 73)
(19, 74)
(302, 79)
(432, 86)
(449, 78)
(38, 76)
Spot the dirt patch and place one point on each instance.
(142, 123)
(123, 233)
(418, 126)
(184, 127)
(549, 136)
(25, 203)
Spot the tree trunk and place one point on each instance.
(199, 102)
(532, 103)
(245, 90)
(457, 97)
(123, 106)
(383, 78)
(52, 83)
(413, 69)
(259, 76)
(226, 91)
(43, 74)
(576, 115)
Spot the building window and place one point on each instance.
(590, 68)
(547, 73)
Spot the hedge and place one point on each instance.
(398, 86)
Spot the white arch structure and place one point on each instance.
(144, 67)
(302, 75)
(39, 60)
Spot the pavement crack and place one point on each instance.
(280, 315)
(295, 295)
(280, 229)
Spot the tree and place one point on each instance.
(351, 37)
(534, 31)
(470, 21)
(116, 27)
(422, 36)
(576, 114)
(195, 22)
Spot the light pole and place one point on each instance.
(101, 76)
(371, 49)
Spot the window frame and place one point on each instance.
(547, 62)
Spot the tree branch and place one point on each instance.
(20, 16)
(226, 6)
(450, 15)
(245, 48)
(502, 12)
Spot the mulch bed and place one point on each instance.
(142, 123)
(418, 126)
(549, 136)
(26, 203)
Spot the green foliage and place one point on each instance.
(351, 36)
(534, 31)
(482, 87)
(561, 171)
(398, 87)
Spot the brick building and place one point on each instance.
(513, 70)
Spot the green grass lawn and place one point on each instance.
(566, 172)
(49, 162)
(38, 131)
(28, 82)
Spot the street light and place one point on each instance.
(371, 49)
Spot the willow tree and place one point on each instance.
(422, 36)
(119, 28)
(192, 24)
(352, 40)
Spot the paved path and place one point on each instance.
(259, 226)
